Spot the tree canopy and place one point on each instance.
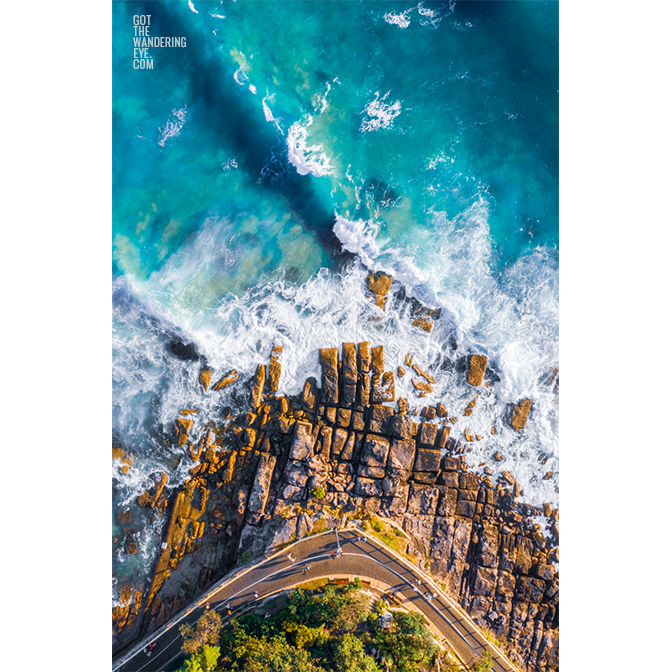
(327, 630)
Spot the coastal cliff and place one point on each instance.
(349, 447)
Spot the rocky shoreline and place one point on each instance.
(349, 446)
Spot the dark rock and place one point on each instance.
(340, 436)
(423, 500)
(485, 581)
(428, 460)
(364, 357)
(466, 509)
(450, 479)
(427, 434)
(402, 454)
(262, 483)
(451, 463)
(425, 477)
(343, 417)
(304, 440)
(529, 589)
(187, 352)
(375, 451)
(379, 418)
(367, 487)
(364, 390)
(447, 502)
(370, 471)
(350, 445)
(488, 545)
(309, 394)
(329, 363)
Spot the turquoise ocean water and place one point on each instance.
(260, 171)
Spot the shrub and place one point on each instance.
(206, 632)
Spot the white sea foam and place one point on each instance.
(381, 114)
(400, 19)
(240, 76)
(192, 8)
(304, 157)
(358, 237)
(512, 317)
(426, 16)
(268, 114)
(173, 125)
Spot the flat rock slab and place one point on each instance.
(303, 440)
(477, 364)
(402, 454)
(376, 449)
(520, 413)
(428, 460)
(329, 363)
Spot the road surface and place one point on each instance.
(361, 556)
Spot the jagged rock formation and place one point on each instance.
(255, 470)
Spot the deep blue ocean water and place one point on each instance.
(263, 169)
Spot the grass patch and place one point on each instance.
(389, 534)
(501, 642)
(315, 584)
(320, 525)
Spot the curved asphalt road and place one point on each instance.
(367, 559)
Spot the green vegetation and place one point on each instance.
(484, 664)
(207, 631)
(388, 534)
(329, 629)
(318, 492)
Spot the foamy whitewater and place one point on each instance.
(262, 172)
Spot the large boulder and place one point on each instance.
(364, 357)
(368, 487)
(401, 456)
(529, 589)
(520, 413)
(428, 460)
(258, 386)
(380, 418)
(329, 363)
(477, 364)
(485, 581)
(304, 440)
(427, 434)
(375, 450)
(262, 483)
(423, 500)
(401, 426)
(488, 544)
(274, 369)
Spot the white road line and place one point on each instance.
(317, 557)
